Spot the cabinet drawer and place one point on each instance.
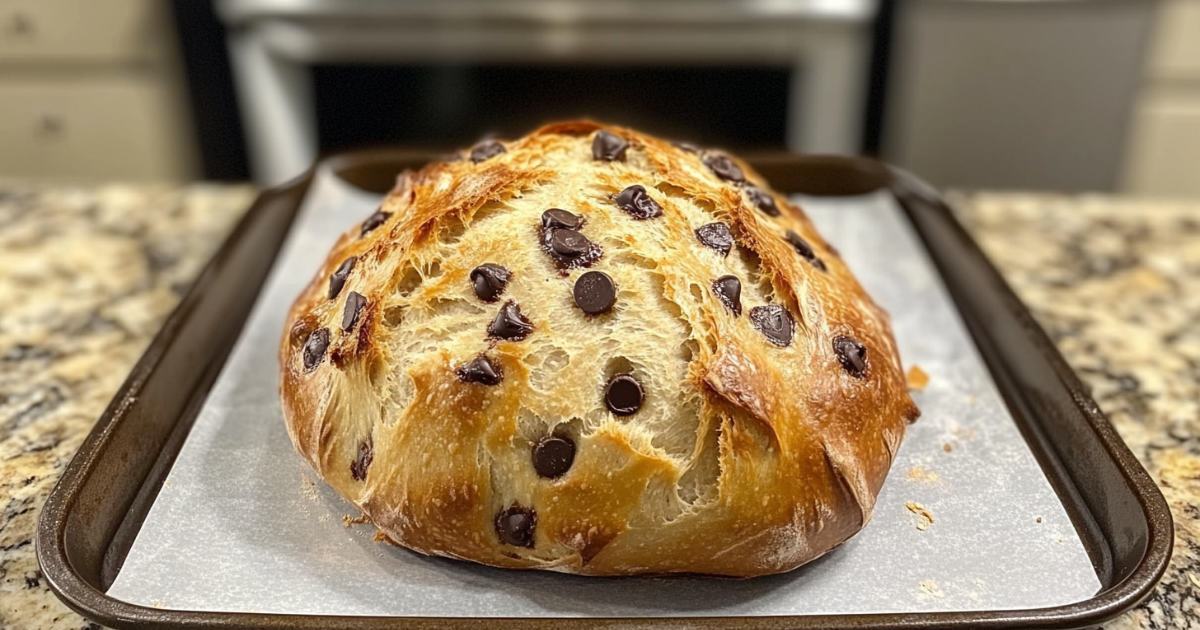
(1176, 50)
(1164, 152)
(77, 30)
(111, 128)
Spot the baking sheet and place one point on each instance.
(243, 525)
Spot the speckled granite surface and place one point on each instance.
(88, 274)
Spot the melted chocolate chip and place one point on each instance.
(569, 249)
(729, 291)
(852, 355)
(595, 292)
(358, 467)
(623, 395)
(480, 370)
(559, 218)
(763, 201)
(774, 322)
(515, 526)
(723, 167)
(637, 203)
(314, 348)
(805, 250)
(510, 324)
(375, 220)
(489, 281)
(354, 306)
(338, 279)
(553, 456)
(685, 146)
(486, 150)
(609, 146)
(716, 236)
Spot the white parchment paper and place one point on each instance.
(243, 525)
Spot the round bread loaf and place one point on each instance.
(593, 351)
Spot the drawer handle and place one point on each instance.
(21, 24)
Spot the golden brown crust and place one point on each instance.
(745, 458)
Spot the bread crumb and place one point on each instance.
(930, 588)
(924, 517)
(946, 447)
(348, 520)
(921, 474)
(1039, 519)
(157, 603)
(917, 378)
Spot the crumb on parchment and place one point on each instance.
(921, 474)
(924, 517)
(930, 588)
(348, 520)
(917, 378)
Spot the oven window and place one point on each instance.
(443, 106)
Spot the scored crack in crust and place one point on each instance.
(593, 351)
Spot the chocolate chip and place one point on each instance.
(354, 305)
(553, 456)
(609, 146)
(685, 146)
(338, 279)
(489, 281)
(510, 324)
(569, 249)
(852, 355)
(716, 236)
(375, 220)
(805, 250)
(559, 218)
(774, 322)
(366, 453)
(515, 526)
(314, 348)
(480, 370)
(623, 395)
(729, 291)
(595, 292)
(723, 167)
(637, 203)
(763, 201)
(486, 150)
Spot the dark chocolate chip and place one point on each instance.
(515, 526)
(366, 453)
(338, 279)
(774, 322)
(480, 370)
(314, 348)
(805, 250)
(716, 236)
(595, 292)
(486, 150)
(685, 146)
(559, 218)
(375, 220)
(623, 395)
(852, 355)
(489, 281)
(763, 201)
(724, 167)
(609, 146)
(553, 456)
(354, 306)
(637, 203)
(510, 324)
(569, 249)
(729, 290)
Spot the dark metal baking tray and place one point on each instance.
(96, 510)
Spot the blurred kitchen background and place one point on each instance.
(1065, 95)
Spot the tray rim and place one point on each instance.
(854, 175)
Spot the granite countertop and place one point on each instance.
(90, 273)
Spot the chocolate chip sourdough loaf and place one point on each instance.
(593, 351)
